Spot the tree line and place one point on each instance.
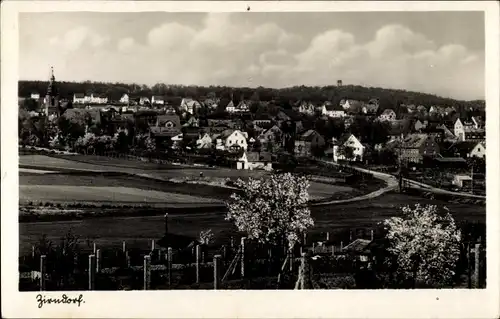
(388, 98)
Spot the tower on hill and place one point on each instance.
(339, 82)
(51, 102)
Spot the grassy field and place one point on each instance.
(138, 231)
(56, 193)
(34, 168)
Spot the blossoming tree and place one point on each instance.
(272, 209)
(425, 244)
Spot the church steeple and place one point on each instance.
(51, 89)
(52, 97)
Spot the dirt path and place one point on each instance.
(390, 180)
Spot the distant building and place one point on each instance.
(461, 180)
(51, 102)
(124, 99)
(339, 82)
(229, 139)
(307, 108)
(371, 107)
(459, 130)
(79, 98)
(333, 111)
(387, 115)
(306, 142)
(255, 160)
(414, 147)
(35, 96)
(230, 108)
(204, 141)
(189, 105)
(348, 141)
(158, 99)
(468, 149)
(243, 107)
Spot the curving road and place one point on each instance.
(390, 180)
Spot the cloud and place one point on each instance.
(222, 50)
(78, 38)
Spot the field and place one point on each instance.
(39, 169)
(139, 230)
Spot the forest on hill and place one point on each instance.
(388, 98)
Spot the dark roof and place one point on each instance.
(463, 147)
(414, 140)
(79, 95)
(308, 135)
(358, 246)
(163, 119)
(450, 160)
(158, 97)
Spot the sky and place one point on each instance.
(434, 52)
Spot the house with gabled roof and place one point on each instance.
(228, 139)
(387, 115)
(307, 108)
(414, 147)
(230, 108)
(350, 141)
(255, 160)
(158, 99)
(371, 107)
(333, 111)
(306, 142)
(189, 105)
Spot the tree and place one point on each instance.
(273, 209)
(425, 245)
(30, 105)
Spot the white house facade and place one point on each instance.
(459, 130)
(124, 99)
(358, 149)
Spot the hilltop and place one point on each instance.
(388, 98)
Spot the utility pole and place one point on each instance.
(472, 178)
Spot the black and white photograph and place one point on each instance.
(251, 150)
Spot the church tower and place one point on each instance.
(52, 96)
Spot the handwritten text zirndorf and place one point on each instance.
(64, 299)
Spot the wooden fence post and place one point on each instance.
(169, 265)
(243, 239)
(147, 272)
(98, 261)
(124, 246)
(43, 260)
(350, 236)
(341, 245)
(327, 236)
(153, 245)
(476, 265)
(290, 259)
(224, 254)
(127, 259)
(232, 243)
(305, 239)
(314, 247)
(95, 248)
(371, 235)
(198, 259)
(217, 259)
(33, 252)
(91, 272)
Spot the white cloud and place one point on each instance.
(226, 52)
(77, 38)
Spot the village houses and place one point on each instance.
(459, 130)
(307, 108)
(415, 147)
(387, 115)
(307, 142)
(230, 108)
(189, 105)
(255, 160)
(158, 99)
(231, 139)
(348, 141)
(333, 111)
(80, 98)
(125, 99)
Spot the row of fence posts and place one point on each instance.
(95, 263)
